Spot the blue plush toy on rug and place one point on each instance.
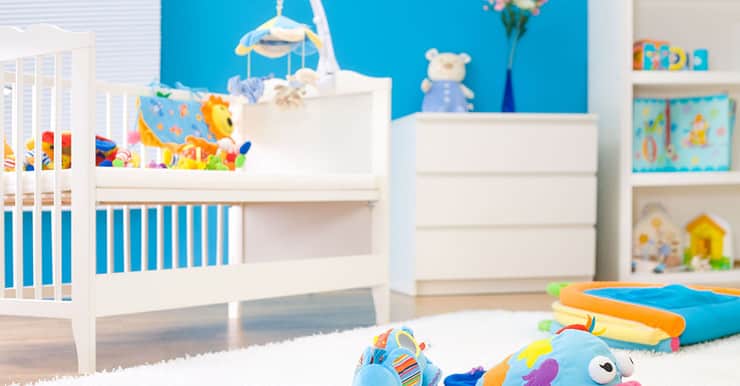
(573, 357)
(396, 359)
(443, 89)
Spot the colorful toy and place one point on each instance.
(683, 134)
(105, 151)
(169, 123)
(574, 356)
(678, 59)
(700, 60)
(189, 132)
(278, 37)
(9, 161)
(396, 359)
(650, 55)
(251, 88)
(443, 89)
(657, 242)
(709, 243)
(652, 317)
(126, 159)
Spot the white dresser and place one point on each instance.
(485, 202)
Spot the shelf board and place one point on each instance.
(686, 78)
(711, 277)
(685, 179)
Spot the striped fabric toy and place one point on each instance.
(396, 359)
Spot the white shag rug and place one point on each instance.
(458, 341)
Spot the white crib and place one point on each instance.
(314, 189)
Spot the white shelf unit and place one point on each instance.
(613, 27)
(685, 78)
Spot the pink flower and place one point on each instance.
(501, 4)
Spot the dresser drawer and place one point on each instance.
(475, 143)
(512, 200)
(505, 253)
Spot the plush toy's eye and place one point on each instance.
(602, 370)
(625, 364)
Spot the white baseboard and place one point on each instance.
(485, 286)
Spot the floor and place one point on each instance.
(32, 349)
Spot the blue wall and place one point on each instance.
(101, 242)
(389, 38)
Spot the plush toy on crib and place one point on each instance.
(192, 134)
(444, 91)
(573, 357)
(105, 151)
(396, 359)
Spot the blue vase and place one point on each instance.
(507, 105)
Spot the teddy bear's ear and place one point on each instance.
(465, 58)
(431, 53)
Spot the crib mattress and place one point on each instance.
(123, 185)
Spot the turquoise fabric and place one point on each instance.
(708, 315)
(172, 120)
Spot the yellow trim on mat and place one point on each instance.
(614, 328)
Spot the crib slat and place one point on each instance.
(109, 209)
(219, 235)
(145, 238)
(126, 209)
(189, 236)
(204, 234)
(126, 238)
(175, 236)
(2, 182)
(124, 120)
(37, 168)
(18, 211)
(56, 229)
(160, 237)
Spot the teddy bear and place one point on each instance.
(443, 89)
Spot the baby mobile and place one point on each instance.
(276, 38)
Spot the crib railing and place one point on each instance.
(39, 91)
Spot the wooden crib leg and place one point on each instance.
(83, 328)
(382, 300)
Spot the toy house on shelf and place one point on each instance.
(657, 241)
(709, 243)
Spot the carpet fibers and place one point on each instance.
(457, 343)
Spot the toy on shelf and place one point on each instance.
(653, 317)
(709, 243)
(683, 134)
(700, 60)
(650, 55)
(276, 38)
(396, 359)
(657, 242)
(658, 55)
(573, 356)
(443, 89)
(678, 59)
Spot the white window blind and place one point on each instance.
(127, 32)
